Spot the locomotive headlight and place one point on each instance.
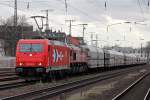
(40, 64)
(20, 64)
(30, 55)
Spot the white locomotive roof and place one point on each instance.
(54, 42)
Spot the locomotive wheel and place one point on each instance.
(61, 73)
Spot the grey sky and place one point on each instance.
(93, 13)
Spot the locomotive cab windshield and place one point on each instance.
(30, 47)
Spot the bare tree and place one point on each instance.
(11, 34)
(22, 21)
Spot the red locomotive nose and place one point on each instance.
(31, 53)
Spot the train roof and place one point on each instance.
(131, 55)
(93, 48)
(115, 52)
(55, 42)
(32, 40)
(50, 42)
(22, 40)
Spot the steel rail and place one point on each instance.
(73, 86)
(14, 77)
(7, 74)
(147, 96)
(14, 85)
(120, 95)
(7, 69)
(3, 72)
(55, 90)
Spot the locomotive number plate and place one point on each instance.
(30, 64)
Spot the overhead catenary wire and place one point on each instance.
(141, 9)
(80, 11)
(32, 5)
(89, 16)
(66, 7)
(83, 12)
(108, 7)
(146, 5)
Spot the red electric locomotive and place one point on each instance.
(36, 57)
(39, 56)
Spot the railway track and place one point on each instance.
(7, 69)
(14, 85)
(147, 96)
(7, 74)
(59, 89)
(136, 90)
(9, 78)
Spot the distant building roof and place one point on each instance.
(74, 40)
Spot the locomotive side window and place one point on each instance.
(71, 53)
(30, 47)
(74, 56)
